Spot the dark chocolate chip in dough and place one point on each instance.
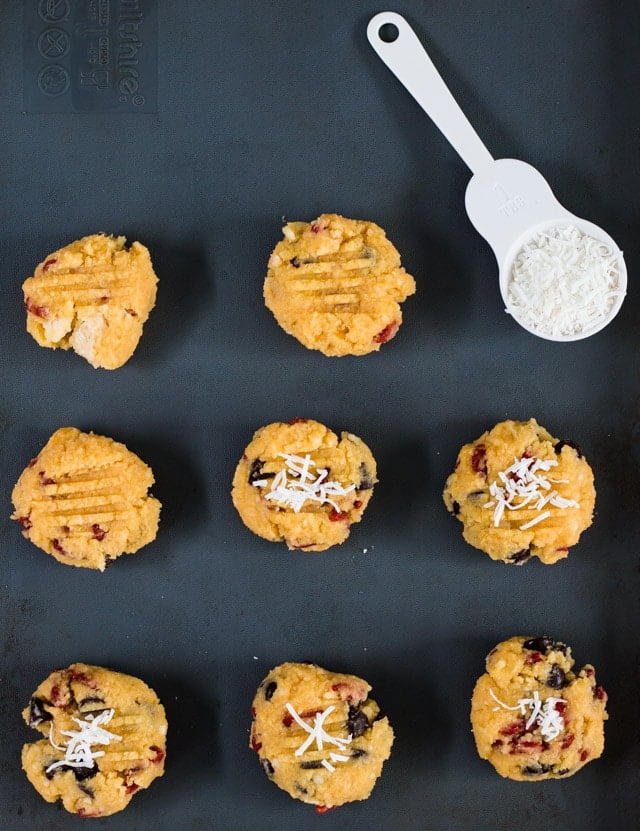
(568, 443)
(366, 480)
(357, 722)
(267, 767)
(255, 471)
(541, 644)
(519, 556)
(37, 713)
(537, 770)
(556, 677)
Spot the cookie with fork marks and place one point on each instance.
(103, 739)
(533, 716)
(336, 285)
(300, 483)
(92, 296)
(318, 734)
(83, 499)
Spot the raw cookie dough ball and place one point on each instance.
(300, 483)
(84, 500)
(520, 493)
(336, 285)
(105, 738)
(532, 716)
(93, 296)
(318, 735)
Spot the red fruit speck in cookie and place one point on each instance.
(316, 227)
(350, 692)
(83, 812)
(479, 459)
(389, 331)
(82, 678)
(34, 309)
(584, 755)
(159, 754)
(32, 462)
(338, 516)
(322, 809)
(58, 697)
(97, 532)
(44, 479)
(288, 718)
(567, 741)
(513, 729)
(521, 747)
(57, 547)
(357, 504)
(298, 420)
(131, 788)
(48, 263)
(255, 744)
(533, 658)
(600, 693)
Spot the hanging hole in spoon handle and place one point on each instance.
(398, 46)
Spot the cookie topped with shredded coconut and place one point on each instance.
(318, 734)
(300, 483)
(521, 493)
(533, 716)
(102, 739)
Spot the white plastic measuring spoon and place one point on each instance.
(508, 201)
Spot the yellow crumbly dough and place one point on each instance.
(84, 500)
(319, 523)
(336, 285)
(87, 700)
(339, 762)
(544, 485)
(92, 296)
(532, 716)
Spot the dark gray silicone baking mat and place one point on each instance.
(248, 112)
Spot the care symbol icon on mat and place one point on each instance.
(53, 43)
(53, 80)
(54, 10)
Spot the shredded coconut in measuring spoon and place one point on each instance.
(563, 281)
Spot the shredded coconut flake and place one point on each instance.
(564, 282)
(543, 714)
(319, 735)
(299, 482)
(525, 485)
(77, 748)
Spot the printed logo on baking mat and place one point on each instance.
(90, 56)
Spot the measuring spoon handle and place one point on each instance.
(407, 59)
